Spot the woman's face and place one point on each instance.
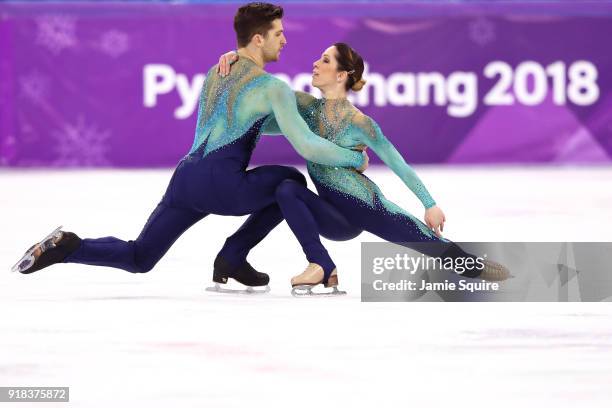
(325, 69)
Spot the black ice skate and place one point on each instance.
(54, 248)
(244, 274)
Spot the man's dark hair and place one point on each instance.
(254, 18)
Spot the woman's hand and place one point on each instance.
(225, 63)
(435, 218)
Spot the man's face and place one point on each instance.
(274, 41)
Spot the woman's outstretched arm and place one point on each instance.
(371, 135)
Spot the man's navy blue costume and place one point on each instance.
(213, 178)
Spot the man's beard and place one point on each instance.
(271, 57)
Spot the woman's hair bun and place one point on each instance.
(358, 85)
(351, 62)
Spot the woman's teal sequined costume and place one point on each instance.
(349, 202)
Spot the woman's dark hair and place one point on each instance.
(254, 18)
(351, 62)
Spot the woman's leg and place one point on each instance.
(309, 216)
(391, 223)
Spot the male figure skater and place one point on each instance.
(212, 178)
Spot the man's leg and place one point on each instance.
(250, 233)
(164, 226)
(258, 191)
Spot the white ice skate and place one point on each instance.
(306, 291)
(303, 283)
(28, 259)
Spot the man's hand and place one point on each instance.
(435, 218)
(225, 63)
(366, 161)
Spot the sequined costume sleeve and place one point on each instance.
(305, 103)
(307, 144)
(270, 127)
(370, 134)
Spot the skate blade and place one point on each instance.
(27, 260)
(306, 291)
(250, 290)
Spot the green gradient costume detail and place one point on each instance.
(338, 121)
(230, 105)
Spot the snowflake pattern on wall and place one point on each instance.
(34, 87)
(482, 31)
(56, 32)
(114, 43)
(7, 149)
(81, 144)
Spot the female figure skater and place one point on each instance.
(348, 201)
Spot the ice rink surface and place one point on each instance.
(158, 339)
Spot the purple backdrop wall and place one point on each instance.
(117, 85)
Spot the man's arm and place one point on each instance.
(307, 144)
(270, 127)
(304, 104)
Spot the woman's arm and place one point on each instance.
(371, 135)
